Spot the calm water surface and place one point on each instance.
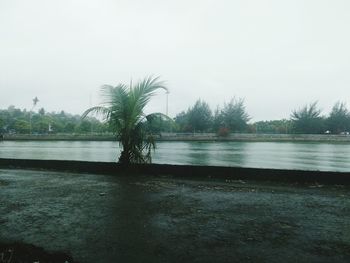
(285, 155)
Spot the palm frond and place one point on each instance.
(97, 110)
(123, 107)
(140, 95)
(144, 90)
(158, 115)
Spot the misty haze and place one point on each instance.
(166, 131)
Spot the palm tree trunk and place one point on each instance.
(124, 157)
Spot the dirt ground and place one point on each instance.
(97, 218)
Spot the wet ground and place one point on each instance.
(97, 218)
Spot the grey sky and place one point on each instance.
(278, 55)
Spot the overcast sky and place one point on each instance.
(277, 55)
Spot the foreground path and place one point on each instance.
(100, 218)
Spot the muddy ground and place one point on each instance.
(97, 218)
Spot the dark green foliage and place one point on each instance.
(200, 117)
(218, 121)
(339, 119)
(13, 120)
(158, 123)
(83, 127)
(42, 111)
(234, 115)
(21, 126)
(182, 123)
(274, 126)
(69, 127)
(308, 120)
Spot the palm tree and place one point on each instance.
(123, 107)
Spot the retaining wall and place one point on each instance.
(182, 171)
(191, 137)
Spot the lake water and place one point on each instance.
(284, 155)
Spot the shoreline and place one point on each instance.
(200, 137)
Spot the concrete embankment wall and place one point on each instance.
(191, 137)
(256, 137)
(182, 171)
(59, 137)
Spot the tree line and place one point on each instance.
(14, 120)
(199, 118)
(232, 117)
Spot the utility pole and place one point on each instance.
(90, 105)
(167, 103)
(35, 101)
(167, 108)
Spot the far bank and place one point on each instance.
(248, 137)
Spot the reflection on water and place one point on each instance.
(284, 155)
(201, 153)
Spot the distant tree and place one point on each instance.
(200, 116)
(218, 122)
(62, 114)
(21, 126)
(14, 113)
(2, 121)
(41, 127)
(181, 121)
(234, 115)
(308, 120)
(83, 127)
(14, 120)
(69, 127)
(157, 123)
(273, 126)
(42, 111)
(339, 118)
